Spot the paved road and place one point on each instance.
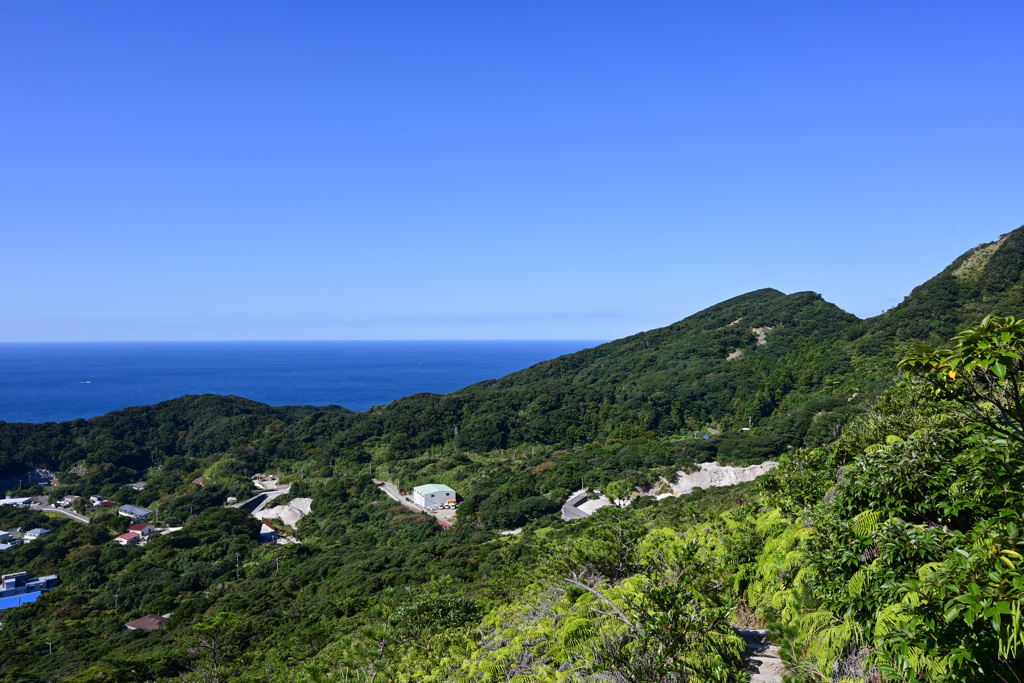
(393, 492)
(67, 513)
(571, 509)
(261, 499)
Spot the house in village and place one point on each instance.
(9, 540)
(18, 583)
(134, 511)
(142, 529)
(17, 589)
(33, 534)
(150, 622)
(128, 538)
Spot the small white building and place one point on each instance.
(431, 495)
(143, 529)
(33, 534)
(128, 538)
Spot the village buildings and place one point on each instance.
(17, 588)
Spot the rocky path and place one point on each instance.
(761, 658)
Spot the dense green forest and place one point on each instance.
(887, 544)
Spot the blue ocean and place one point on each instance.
(52, 382)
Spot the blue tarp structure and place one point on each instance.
(15, 600)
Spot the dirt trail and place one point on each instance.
(761, 658)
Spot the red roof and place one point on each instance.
(139, 527)
(108, 504)
(130, 535)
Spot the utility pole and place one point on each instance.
(50, 645)
(278, 561)
(238, 565)
(116, 599)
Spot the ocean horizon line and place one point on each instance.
(59, 381)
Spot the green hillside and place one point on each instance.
(816, 365)
(790, 368)
(887, 544)
(893, 554)
(987, 280)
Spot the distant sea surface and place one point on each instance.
(53, 382)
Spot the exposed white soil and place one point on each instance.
(735, 354)
(761, 333)
(290, 514)
(710, 474)
(973, 264)
(592, 506)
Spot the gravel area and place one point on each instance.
(710, 474)
(291, 513)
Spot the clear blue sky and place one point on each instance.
(475, 170)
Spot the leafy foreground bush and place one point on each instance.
(897, 554)
(621, 603)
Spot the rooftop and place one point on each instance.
(432, 488)
(150, 622)
(15, 600)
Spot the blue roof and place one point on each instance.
(135, 510)
(38, 532)
(15, 600)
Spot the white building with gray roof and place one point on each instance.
(431, 495)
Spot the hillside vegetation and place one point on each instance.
(812, 373)
(886, 546)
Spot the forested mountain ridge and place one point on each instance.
(986, 280)
(708, 369)
(887, 545)
(793, 368)
(802, 368)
